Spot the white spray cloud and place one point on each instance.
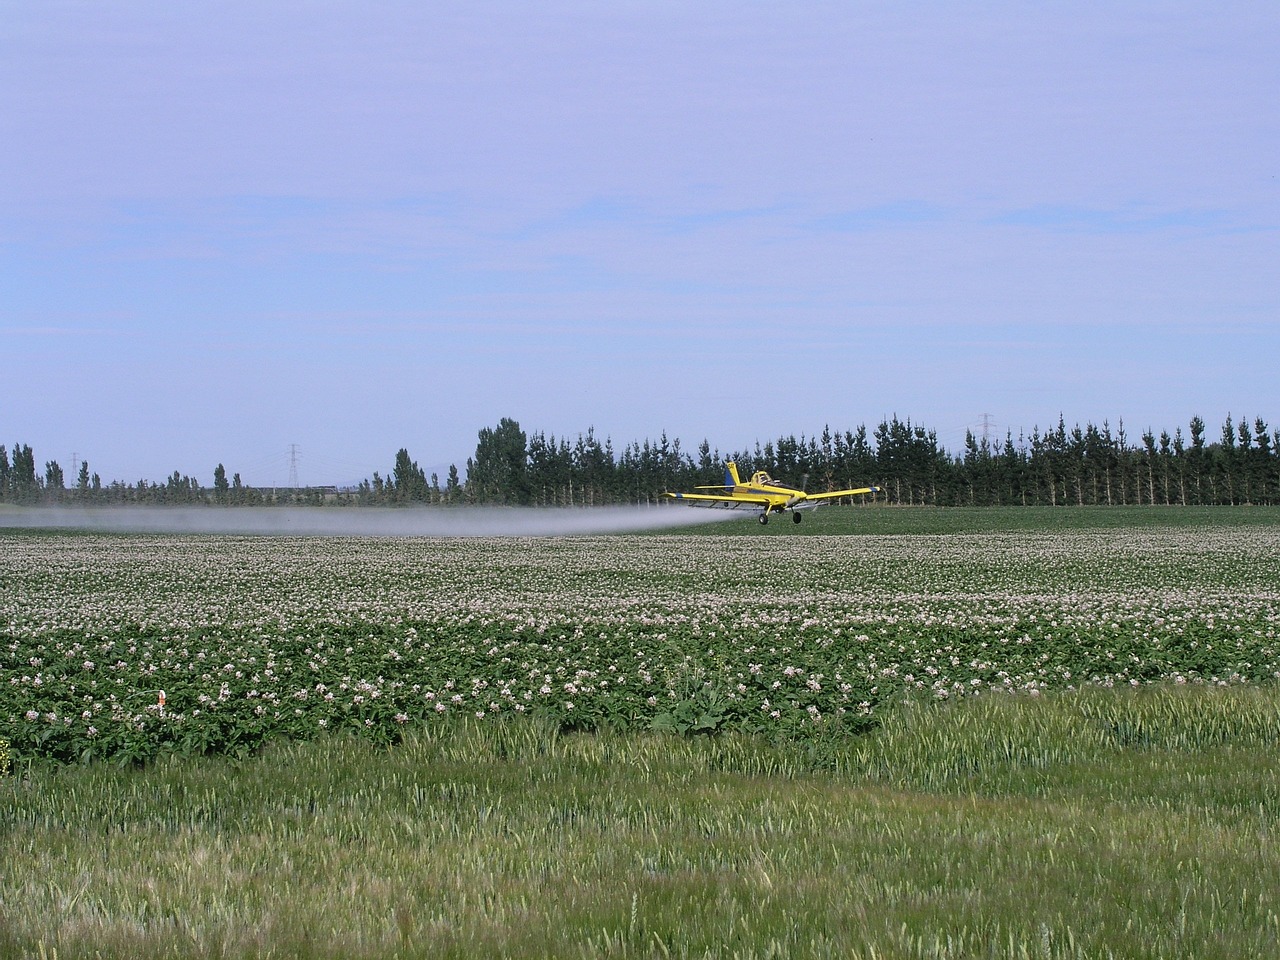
(364, 521)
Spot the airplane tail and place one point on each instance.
(731, 474)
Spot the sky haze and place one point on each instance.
(226, 228)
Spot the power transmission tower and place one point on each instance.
(293, 466)
(987, 424)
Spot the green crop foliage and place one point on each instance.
(1039, 734)
(811, 639)
(510, 837)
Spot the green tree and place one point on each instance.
(1261, 463)
(1096, 465)
(408, 479)
(1225, 462)
(1149, 446)
(1179, 461)
(859, 465)
(221, 488)
(1196, 461)
(1245, 460)
(22, 475)
(179, 488)
(979, 471)
(54, 484)
(1126, 466)
(499, 473)
(710, 467)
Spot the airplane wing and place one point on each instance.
(727, 499)
(841, 493)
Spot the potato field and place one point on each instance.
(908, 734)
(130, 647)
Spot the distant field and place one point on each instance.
(873, 519)
(985, 733)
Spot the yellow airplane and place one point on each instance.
(763, 493)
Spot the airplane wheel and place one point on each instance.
(764, 518)
(796, 517)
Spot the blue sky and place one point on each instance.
(230, 227)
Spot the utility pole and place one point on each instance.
(293, 466)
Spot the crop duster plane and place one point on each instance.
(763, 493)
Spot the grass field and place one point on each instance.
(955, 734)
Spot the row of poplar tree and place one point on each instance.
(1083, 465)
(1088, 465)
(21, 482)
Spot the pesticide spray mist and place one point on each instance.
(366, 521)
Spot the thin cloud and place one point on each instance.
(903, 213)
(1117, 220)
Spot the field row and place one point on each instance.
(253, 638)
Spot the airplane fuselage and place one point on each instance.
(765, 494)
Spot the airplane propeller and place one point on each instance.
(804, 483)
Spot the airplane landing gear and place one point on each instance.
(796, 517)
(764, 518)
